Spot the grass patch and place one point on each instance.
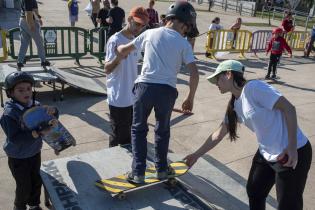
(299, 20)
(258, 24)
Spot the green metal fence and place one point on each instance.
(72, 42)
(98, 39)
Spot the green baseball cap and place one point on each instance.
(228, 65)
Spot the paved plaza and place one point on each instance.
(87, 116)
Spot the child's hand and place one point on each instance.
(35, 134)
(290, 55)
(50, 110)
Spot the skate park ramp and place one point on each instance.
(87, 84)
(70, 183)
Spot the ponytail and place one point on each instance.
(239, 82)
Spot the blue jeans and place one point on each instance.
(161, 98)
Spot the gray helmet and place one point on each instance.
(184, 12)
(17, 77)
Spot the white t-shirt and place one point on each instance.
(121, 81)
(254, 108)
(214, 27)
(164, 52)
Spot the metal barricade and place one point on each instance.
(228, 41)
(297, 40)
(58, 42)
(98, 40)
(3, 45)
(260, 40)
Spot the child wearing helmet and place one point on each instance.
(22, 149)
(165, 50)
(276, 45)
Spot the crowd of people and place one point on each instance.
(284, 154)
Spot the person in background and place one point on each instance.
(287, 23)
(101, 19)
(235, 27)
(73, 8)
(116, 17)
(276, 45)
(95, 9)
(214, 26)
(30, 27)
(121, 75)
(153, 15)
(284, 154)
(310, 44)
(162, 20)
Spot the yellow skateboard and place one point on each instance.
(119, 185)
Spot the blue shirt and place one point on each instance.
(19, 141)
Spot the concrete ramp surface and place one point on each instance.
(70, 183)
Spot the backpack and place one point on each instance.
(74, 8)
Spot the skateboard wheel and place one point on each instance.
(56, 152)
(74, 143)
(121, 196)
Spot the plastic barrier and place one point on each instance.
(3, 45)
(260, 40)
(228, 41)
(297, 39)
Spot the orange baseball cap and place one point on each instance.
(140, 15)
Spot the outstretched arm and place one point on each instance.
(209, 144)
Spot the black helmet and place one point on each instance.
(184, 12)
(17, 77)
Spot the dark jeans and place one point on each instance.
(310, 47)
(289, 183)
(93, 18)
(103, 39)
(161, 98)
(273, 62)
(120, 119)
(28, 180)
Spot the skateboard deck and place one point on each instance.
(57, 136)
(119, 185)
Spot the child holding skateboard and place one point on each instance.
(284, 155)
(276, 45)
(22, 149)
(121, 75)
(165, 49)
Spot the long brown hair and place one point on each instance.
(238, 81)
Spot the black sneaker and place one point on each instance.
(134, 179)
(19, 65)
(165, 174)
(45, 63)
(267, 76)
(273, 76)
(35, 208)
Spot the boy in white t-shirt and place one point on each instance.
(121, 74)
(165, 49)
